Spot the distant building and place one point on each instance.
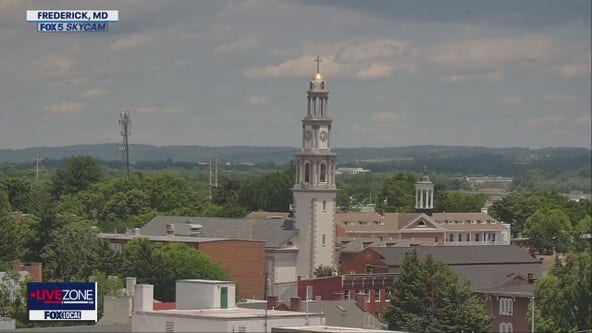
(350, 171)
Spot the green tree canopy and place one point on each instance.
(12, 232)
(79, 174)
(162, 265)
(563, 298)
(398, 193)
(429, 297)
(549, 229)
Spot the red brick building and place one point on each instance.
(244, 260)
(370, 291)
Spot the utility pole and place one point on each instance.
(37, 160)
(126, 124)
(532, 319)
(210, 180)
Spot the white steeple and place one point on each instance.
(314, 188)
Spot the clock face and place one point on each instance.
(308, 135)
(324, 135)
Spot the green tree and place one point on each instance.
(516, 208)
(19, 193)
(429, 297)
(563, 298)
(323, 271)
(582, 230)
(12, 232)
(398, 193)
(162, 265)
(79, 174)
(13, 298)
(71, 252)
(549, 229)
(458, 202)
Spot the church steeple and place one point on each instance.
(314, 187)
(424, 194)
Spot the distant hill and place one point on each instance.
(479, 160)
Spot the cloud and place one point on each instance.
(376, 50)
(386, 117)
(512, 101)
(545, 121)
(255, 100)
(364, 60)
(241, 45)
(66, 108)
(94, 92)
(181, 64)
(164, 111)
(572, 71)
(494, 76)
(131, 41)
(584, 120)
(562, 99)
(492, 53)
(50, 66)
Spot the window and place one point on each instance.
(389, 294)
(460, 237)
(306, 172)
(346, 294)
(477, 237)
(367, 293)
(493, 236)
(421, 224)
(169, 326)
(451, 237)
(377, 295)
(363, 222)
(323, 173)
(468, 237)
(368, 269)
(324, 205)
(324, 240)
(379, 222)
(242, 329)
(349, 223)
(506, 328)
(506, 306)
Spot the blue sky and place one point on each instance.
(216, 73)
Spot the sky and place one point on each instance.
(226, 73)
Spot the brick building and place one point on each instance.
(243, 259)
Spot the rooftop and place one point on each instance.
(232, 313)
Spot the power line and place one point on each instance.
(37, 160)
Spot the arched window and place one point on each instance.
(323, 173)
(322, 84)
(324, 240)
(307, 172)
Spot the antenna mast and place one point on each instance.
(126, 124)
(37, 160)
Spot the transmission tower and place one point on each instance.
(37, 160)
(125, 122)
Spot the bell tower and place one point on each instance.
(314, 189)
(424, 194)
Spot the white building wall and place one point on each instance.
(196, 294)
(285, 267)
(313, 212)
(154, 322)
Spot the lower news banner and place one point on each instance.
(62, 301)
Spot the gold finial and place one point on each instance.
(318, 61)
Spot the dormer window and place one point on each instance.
(379, 222)
(349, 223)
(363, 222)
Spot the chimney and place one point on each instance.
(130, 283)
(272, 302)
(295, 304)
(36, 271)
(361, 301)
(143, 297)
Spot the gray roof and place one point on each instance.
(275, 232)
(493, 276)
(461, 255)
(342, 313)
